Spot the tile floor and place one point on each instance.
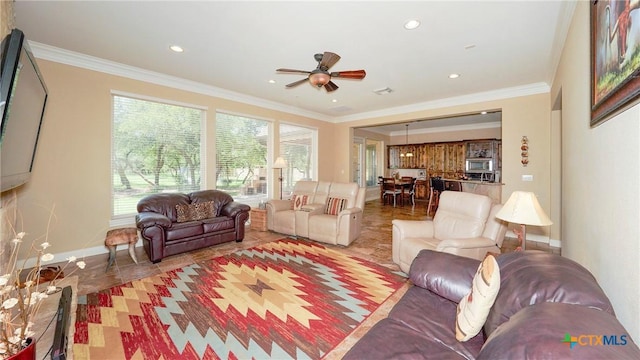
(374, 244)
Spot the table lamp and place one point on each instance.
(523, 208)
(280, 164)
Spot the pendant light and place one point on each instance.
(409, 153)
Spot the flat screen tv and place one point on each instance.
(23, 97)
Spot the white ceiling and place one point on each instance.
(497, 47)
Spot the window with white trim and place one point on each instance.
(298, 148)
(241, 157)
(156, 148)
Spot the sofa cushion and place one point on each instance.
(163, 203)
(335, 205)
(533, 277)
(433, 317)
(217, 224)
(390, 339)
(219, 198)
(540, 332)
(461, 215)
(196, 211)
(299, 201)
(179, 231)
(473, 309)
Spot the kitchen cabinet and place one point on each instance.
(480, 149)
(455, 160)
(445, 159)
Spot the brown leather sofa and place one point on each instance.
(547, 307)
(173, 223)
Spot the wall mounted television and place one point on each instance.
(23, 98)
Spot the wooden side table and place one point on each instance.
(258, 219)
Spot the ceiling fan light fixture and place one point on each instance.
(319, 79)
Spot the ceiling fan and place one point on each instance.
(321, 76)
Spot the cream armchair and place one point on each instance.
(307, 214)
(465, 224)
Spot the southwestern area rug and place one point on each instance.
(287, 299)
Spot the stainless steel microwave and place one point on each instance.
(479, 165)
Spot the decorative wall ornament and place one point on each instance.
(524, 147)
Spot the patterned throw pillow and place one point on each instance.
(474, 308)
(299, 201)
(194, 212)
(335, 205)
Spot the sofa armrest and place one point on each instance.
(413, 228)
(233, 208)
(447, 275)
(147, 219)
(349, 211)
(276, 205)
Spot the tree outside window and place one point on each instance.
(156, 148)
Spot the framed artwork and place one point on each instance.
(615, 57)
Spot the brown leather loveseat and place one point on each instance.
(173, 223)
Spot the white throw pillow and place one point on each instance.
(473, 309)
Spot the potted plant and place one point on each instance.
(22, 290)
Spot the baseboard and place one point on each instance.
(537, 238)
(78, 254)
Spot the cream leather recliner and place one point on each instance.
(464, 224)
(311, 220)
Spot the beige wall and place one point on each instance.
(72, 166)
(600, 181)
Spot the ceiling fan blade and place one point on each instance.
(294, 71)
(328, 60)
(350, 74)
(330, 86)
(296, 83)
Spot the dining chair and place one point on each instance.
(389, 189)
(437, 186)
(453, 185)
(380, 183)
(411, 194)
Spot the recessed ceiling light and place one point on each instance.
(272, 81)
(176, 48)
(483, 112)
(334, 100)
(411, 24)
(454, 76)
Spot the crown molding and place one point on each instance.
(51, 53)
(500, 94)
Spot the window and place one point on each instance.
(156, 148)
(367, 155)
(241, 157)
(372, 158)
(298, 148)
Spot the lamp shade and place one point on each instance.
(523, 208)
(280, 163)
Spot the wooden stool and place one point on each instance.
(116, 237)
